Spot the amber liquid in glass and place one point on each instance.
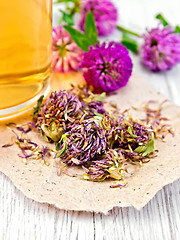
(25, 50)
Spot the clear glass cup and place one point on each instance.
(25, 53)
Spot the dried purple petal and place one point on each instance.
(117, 185)
(157, 122)
(7, 145)
(24, 128)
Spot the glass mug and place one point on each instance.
(25, 53)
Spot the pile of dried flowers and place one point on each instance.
(104, 143)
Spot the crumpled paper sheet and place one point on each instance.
(41, 183)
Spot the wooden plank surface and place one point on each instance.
(22, 218)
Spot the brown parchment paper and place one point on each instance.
(41, 183)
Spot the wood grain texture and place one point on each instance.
(22, 218)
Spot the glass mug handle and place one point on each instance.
(25, 54)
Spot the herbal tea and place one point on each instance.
(25, 50)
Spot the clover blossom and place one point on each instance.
(66, 53)
(161, 49)
(105, 14)
(108, 67)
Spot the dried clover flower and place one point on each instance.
(59, 110)
(128, 134)
(127, 142)
(161, 49)
(108, 166)
(105, 14)
(108, 67)
(66, 53)
(83, 142)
